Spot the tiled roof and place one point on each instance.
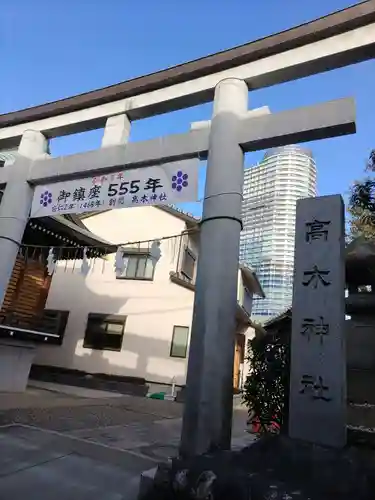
(283, 315)
(173, 210)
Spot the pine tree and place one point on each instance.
(362, 204)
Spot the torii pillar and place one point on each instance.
(209, 396)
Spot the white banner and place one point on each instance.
(158, 185)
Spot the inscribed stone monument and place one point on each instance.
(317, 406)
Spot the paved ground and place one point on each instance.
(71, 390)
(54, 445)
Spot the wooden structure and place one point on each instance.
(24, 321)
(23, 315)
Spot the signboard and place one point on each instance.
(169, 183)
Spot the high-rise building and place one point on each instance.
(271, 190)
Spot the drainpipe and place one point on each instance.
(173, 390)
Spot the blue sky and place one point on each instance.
(54, 49)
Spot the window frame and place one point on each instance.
(106, 319)
(62, 317)
(189, 251)
(48, 321)
(171, 354)
(138, 256)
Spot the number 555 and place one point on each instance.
(115, 189)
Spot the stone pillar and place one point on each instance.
(117, 131)
(34, 145)
(209, 387)
(317, 402)
(16, 203)
(252, 113)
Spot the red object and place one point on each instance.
(256, 427)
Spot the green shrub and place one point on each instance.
(267, 386)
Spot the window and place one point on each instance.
(104, 332)
(247, 300)
(188, 264)
(179, 341)
(138, 267)
(54, 321)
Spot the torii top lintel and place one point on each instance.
(333, 41)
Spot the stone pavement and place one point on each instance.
(54, 446)
(73, 390)
(36, 464)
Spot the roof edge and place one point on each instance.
(170, 209)
(251, 275)
(280, 317)
(90, 239)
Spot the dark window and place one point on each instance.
(2, 163)
(104, 332)
(188, 264)
(138, 267)
(179, 343)
(54, 321)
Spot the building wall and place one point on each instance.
(271, 190)
(245, 297)
(152, 307)
(249, 334)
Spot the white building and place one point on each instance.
(136, 323)
(271, 191)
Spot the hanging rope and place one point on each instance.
(126, 244)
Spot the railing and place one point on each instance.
(180, 279)
(29, 321)
(51, 323)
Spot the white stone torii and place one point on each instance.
(331, 42)
(232, 131)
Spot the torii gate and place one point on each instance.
(337, 40)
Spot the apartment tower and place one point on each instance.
(271, 190)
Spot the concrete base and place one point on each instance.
(274, 467)
(146, 483)
(15, 363)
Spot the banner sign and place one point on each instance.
(169, 183)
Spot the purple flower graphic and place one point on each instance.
(180, 181)
(46, 198)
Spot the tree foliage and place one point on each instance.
(362, 204)
(267, 385)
